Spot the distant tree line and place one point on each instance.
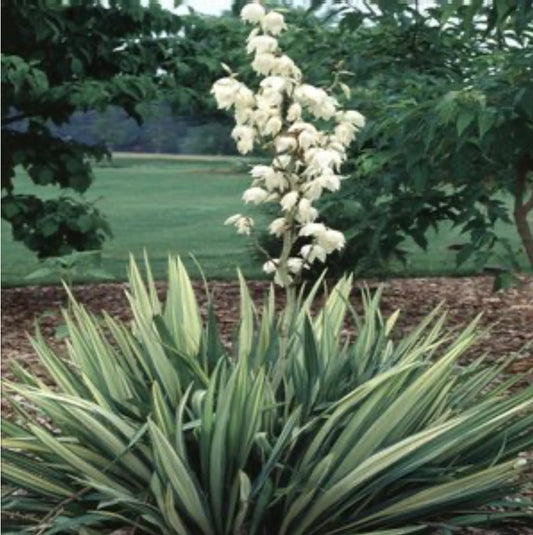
(161, 131)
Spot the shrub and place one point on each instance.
(298, 428)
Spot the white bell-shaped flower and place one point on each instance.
(331, 240)
(294, 113)
(225, 90)
(345, 133)
(243, 115)
(285, 66)
(288, 201)
(252, 13)
(264, 63)
(272, 179)
(261, 44)
(330, 181)
(272, 126)
(353, 117)
(244, 97)
(313, 190)
(243, 224)
(273, 23)
(306, 212)
(295, 264)
(312, 252)
(278, 226)
(244, 135)
(285, 144)
(271, 266)
(255, 195)
(312, 229)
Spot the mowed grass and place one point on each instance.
(163, 206)
(174, 206)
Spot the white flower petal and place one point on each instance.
(232, 219)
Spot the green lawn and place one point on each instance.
(178, 207)
(164, 206)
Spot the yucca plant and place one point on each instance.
(298, 429)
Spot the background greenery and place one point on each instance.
(179, 206)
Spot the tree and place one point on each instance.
(449, 96)
(58, 59)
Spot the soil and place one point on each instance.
(508, 314)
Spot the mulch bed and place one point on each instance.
(509, 315)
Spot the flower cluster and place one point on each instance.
(283, 113)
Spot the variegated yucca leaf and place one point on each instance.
(302, 426)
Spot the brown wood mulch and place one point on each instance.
(509, 315)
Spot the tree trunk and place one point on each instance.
(523, 207)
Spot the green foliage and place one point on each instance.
(298, 428)
(59, 58)
(54, 227)
(448, 94)
(87, 263)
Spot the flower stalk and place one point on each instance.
(307, 132)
